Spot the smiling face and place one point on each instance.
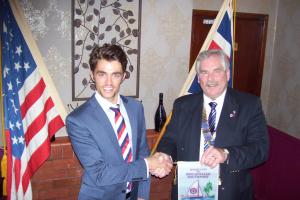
(213, 77)
(108, 76)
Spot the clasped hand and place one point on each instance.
(160, 164)
(213, 156)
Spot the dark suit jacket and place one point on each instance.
(96, 146)
(244, 134)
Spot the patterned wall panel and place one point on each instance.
(165, 38)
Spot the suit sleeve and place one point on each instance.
(101, 173)
(142, 153)
(256, 146)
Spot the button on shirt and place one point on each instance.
(206, 101)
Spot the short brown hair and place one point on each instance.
(109, 52)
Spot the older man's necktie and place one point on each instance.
(208, 140)
(123, 139)
(212, 117)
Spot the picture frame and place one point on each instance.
(95, 22)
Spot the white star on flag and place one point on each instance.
(18, 125)
(9, 85)
(21, 140)
(4, 28)
(26, 66)
(16, 109)
(17, 66)
(18, 82)
(15, 140)
(19, 50)
(11, 125)
(5, 71)
(14, 106)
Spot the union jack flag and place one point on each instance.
(29, 113)
(220, 36)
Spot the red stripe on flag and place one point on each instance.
(42, 153)
(36, 160)
(214, 45)
(38, 122)
(32, 96)
(55, 124)
(9, 165)
(25, 180)
(17, 170)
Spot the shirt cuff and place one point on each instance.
(147, 167)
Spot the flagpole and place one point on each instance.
(17, 10)
(233, 41)
(4, 158)
(192, 72)
(162, 132)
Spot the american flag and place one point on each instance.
(219, 37)
(29, 113)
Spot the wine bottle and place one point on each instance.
(160, 114)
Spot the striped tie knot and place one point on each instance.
(117, 113)
(213, 105)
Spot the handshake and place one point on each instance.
(160, 164)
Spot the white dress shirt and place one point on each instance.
(206, 106)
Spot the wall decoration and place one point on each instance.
(95, 22)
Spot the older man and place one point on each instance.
(237, 138)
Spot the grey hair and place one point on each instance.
(213, 52)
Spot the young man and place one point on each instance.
(108, 135)
(237, 138)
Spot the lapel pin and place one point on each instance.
(232, 114)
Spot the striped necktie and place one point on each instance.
(208, 138)
(123, 137)
(123, 140)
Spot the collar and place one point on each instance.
(219, 100)
(105, 104)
